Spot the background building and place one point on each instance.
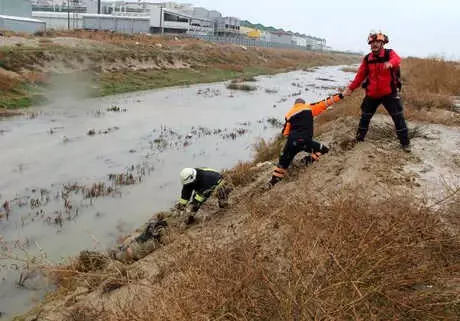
(164, 17)
(15, 15)
(227, 26)
(17, 8)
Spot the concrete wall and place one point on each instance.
(157, 21)
(122, 24)
(21, 25)
(18, 8)
(299, 41)
(228, 25)
(281, 38)
(59, 20)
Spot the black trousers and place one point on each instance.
(393, 105)
(296, 145)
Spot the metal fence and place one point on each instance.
(244, 41)
(248, 42)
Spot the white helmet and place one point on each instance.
(187, 175)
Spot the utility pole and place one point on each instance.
(161, 18)
(98, 6)
(68, 14)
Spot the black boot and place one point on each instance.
(274, 180)
(308, 160)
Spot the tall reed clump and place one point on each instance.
(429, 83)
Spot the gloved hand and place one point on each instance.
(195, 207)
(179, 207)
(347, 92)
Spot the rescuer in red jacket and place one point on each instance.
(379, 75)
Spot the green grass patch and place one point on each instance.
(243, 87)
(17, 102)
(121, 82)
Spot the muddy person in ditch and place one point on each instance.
(198, 184)
(298, 128)
(379, 75)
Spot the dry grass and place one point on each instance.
(435, 76)
(344, 248)
(242, 174)
(90, 270)
(350, 69)
(268, 150)
(8, 82)
(428, 85)
(342, 258)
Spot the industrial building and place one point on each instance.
(123, 24)
(15, 15)
(172, 21)
(21, 24)
(227, 26)
(163, 17)
(16, 8)
(59, 20)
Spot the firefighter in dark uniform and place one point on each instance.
(298, 129)
(198, 186)
(379, 74)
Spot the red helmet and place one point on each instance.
(377, 36)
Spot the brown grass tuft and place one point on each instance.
(243, 87)
(82, 314)
(242, 174)
(350, 69)
(268, 150)
(428, 84)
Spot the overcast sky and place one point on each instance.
(415, 27)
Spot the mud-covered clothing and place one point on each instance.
(376, 79)
(136, 247)
(393, 105)
(207, 181)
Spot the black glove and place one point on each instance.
(179, 206)
(324, 149)
(195, 207)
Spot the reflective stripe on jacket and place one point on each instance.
(206, 181)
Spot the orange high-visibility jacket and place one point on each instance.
(299, 119)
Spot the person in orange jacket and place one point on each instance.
(379, 75)
(298, 129)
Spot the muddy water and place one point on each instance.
(149, 135)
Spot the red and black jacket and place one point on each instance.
(378, 81)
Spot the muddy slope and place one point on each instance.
(376, 171)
